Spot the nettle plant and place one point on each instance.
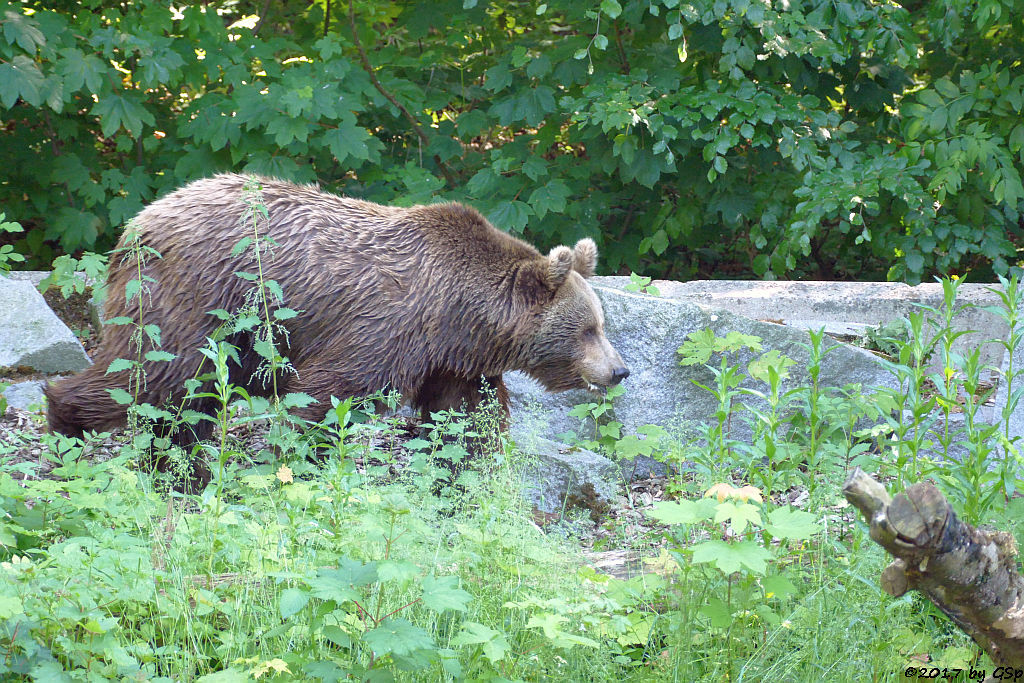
(799, 430)
(975, 462)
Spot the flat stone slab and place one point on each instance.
(31, 335)
(838, 305)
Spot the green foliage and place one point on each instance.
(850, 140)
(747, 546)
(640, 283)
(924, 437)
(7, 253)
(64, 275)
(322, 556)
(608, 432)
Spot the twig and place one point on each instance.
(622, 50)
(417, 128)
(263, 15)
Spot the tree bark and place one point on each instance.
(970, 574)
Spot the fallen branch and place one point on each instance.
(969, 574)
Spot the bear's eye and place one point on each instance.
(589, 333)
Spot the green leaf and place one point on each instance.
(293, 600)
(718, 613)
(471, 123)
(786, 522)
(228, 675)
(10, 606)
(339, 584)
(394, 570)
(22, 78)
(348, 141)
(683, 511)
(930, 99)
(538, 66)
(23, 31)
(119, 365)
(159, 356)
(297, 399)
(776, 586)
(397, 637)
(121, 396)
(758, 368)
(443, 593)
(483, 183)
(534, 104)
(736, 341)
(550, 197)
(152, 412)
(510, 216)
(284, 313)
(549, 623)
(732, 557)
(116, 111)
(659, 242)
(739, 515)
(162, 66)
(498, 77)
(80, 69)
(535, 167)
(611, 7)
(697, 348)
(915, 262)
(937, 119)
(287, 129)
(328, 46)
(946, 88)
(495, 645)
(69, 169)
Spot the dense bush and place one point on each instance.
(712, 138)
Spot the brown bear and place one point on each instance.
(431, 301)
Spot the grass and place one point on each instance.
(336, 555)
(285, 569)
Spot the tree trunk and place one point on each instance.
(970, 574)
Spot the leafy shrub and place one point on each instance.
(703, 138)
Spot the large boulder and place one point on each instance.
(31, 336)
(647, 331)
(560, 477)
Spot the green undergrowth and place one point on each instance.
(353, 550)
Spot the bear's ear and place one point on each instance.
(560, 263)
(584, 255)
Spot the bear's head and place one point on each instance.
(569, 349)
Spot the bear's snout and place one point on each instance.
(619, 374)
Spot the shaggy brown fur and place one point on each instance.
(426, 300)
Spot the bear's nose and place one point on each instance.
(619, 374)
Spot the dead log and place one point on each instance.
(970, 574)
